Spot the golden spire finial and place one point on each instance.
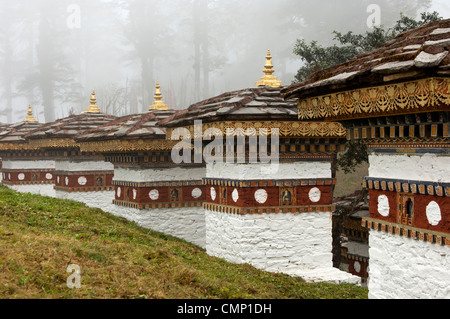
(93, 108)
(30, 118)
(158, 104)
(269, 79)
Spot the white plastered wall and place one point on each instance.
(299, 170)
(102, 200)
(39, 189)
(13, 164)
(80, 166)
(158, 175)
(405, 268)
(187, 223)
(426, 167)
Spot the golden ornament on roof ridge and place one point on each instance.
(30, 118)
(93, 108)
(269, 79)
(158, 104)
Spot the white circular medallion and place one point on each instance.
(383, 205)
(154, 194)
(213, 193)
(196, 193)
(235, 195)
(434, 215)
(21, 176)
(314, 195)
(261, 196)
(357, 266)
(82, 181)
(48, 176)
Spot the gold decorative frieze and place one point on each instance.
(129, 146)
(430, 94)
(54, 143)
(285, 129)
(17, 147)
(409, 145)
(107, 146)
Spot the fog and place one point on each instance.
(53, 53)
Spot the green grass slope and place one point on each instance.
(40, 237)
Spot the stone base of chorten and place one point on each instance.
(102, 200)
(187, 223)
(294, 244)
(37, 189)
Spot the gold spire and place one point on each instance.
(30, 118)
(269, 79)
(93, 108)
(158, 104)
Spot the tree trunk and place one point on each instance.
(46, 68)
(48, 100)
(197, 46)
(205, 46)
(147, 82)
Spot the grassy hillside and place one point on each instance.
(40, 237)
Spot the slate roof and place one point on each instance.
(261, 103)
(3, 126)
(418, 53)
(15, 133)
(70, 127)
(136, 126)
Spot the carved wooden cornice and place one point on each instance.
(17, 147)
(128, 146)
(286, 129)
(268, 210)
(431, 94)
(418, 234)
(53, 143)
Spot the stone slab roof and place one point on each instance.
(3, 126)
(69, 127)
(136, 126)
(15, 133)
(415, 54)
(260, 103)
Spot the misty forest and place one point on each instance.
(53, 53)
